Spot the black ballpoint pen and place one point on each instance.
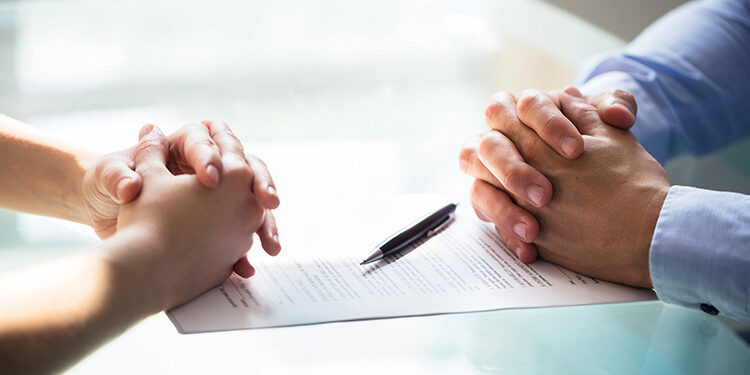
(426, 227)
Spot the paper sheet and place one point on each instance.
(464, 268)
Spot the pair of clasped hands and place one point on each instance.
(199, 178)
(562, 178)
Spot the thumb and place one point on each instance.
(151, 153)
(114, 178)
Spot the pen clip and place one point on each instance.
(448, 220)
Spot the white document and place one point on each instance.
(465, 268)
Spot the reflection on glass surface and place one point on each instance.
(649, 338)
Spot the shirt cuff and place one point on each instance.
(700, 251)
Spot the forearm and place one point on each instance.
(54, 314)
(38, 174)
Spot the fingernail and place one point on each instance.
(120, 188)
(271, 189)
(145, 130)
(535, 193)
(518, 252)
(212, 173)
(568, 145)
(520, 230)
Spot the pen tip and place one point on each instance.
(363, 263)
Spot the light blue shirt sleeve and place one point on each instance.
(690, 74)
(700, 253)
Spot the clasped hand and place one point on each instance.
(561, 177)
(196, 195)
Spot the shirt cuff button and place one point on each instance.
(709, 309)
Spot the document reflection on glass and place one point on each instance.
(465, 268)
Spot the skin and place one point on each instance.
(617, 108)
(600, 218)
(42, 176)
(175, 241)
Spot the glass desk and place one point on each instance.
(342, 100)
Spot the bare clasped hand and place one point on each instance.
(198, 178)
(561, 177)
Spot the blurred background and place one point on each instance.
(341, 99)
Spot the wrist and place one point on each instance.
(75, 200)
(132, 255)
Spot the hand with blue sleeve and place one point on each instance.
(692, 86)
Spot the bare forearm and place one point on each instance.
(54, 314)
(38, 174)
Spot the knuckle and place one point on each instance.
(498, 105)
(487, 144)
(217, 125)
(583, 110)
(225, 136)
(225, 132)
(626, 97)
(203, 143)
(622, 94)
(493, 111)
(466, 158)
(550, 124)
(513, 172)
(529, 101)
(148, 145)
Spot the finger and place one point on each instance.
(469, 162)
(584, 115)
(501, 116)
(540, 112)
(229, 145)
(500, 156)
(115, 178)
(150, 154)
(269, 235)
(479, 213)
(243, 268)
(616, 107)
(525, 252)
(263, 185)
(573, 91)
(497, 206)
(194, 145)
